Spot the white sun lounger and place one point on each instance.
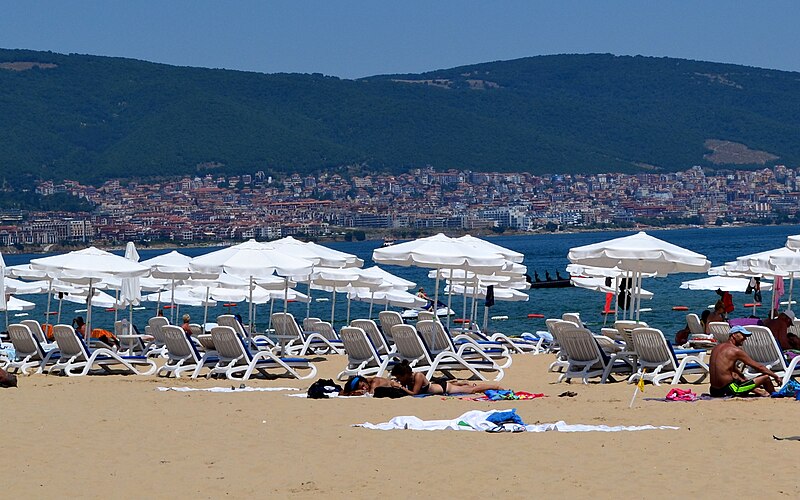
(411, 346)
(388, 319)
(377, 337)
(720, 330)
(764, 348)
(585, 358)
(29, 351)
(77, 359)
(324, 341)
(238, 363)
(658, 361)
(182, 354)
(362, 356)
(438, 340)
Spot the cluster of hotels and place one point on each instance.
(220, 208)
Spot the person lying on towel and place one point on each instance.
(416, 383)
(358, 385)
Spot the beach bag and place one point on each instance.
(322, 388)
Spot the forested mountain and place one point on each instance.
(91, 118)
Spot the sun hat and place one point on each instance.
(740, 329)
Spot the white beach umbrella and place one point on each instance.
(488, 246)
(725, 283)
(174, 266)
(253, 260)
(92, 265)
(640, 253)
(392, 297)
(440, 251)
(15, 304)
(318, 254)
(344, 280)
(599, 285)
(793, 242)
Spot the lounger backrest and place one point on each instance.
(625, 327)
(326, 330)
(155, 323)
(35, 328)
(651, 347)
(795, 328)
(720, 330)
(763, 348)
(69, 343)
(24, 342)
(178, 345)
(308, 324)
(388, 320)
(284, 324)
(695, 327)
(230, 320)
(425, 316)
(431, 332)
(196, 329)
(374, 334)
(228, 344)
(357, 345)
(580, 344)
(574, 318)
(409, 344)
(121, 328)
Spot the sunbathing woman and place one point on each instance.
(358, 385)
(416, 383)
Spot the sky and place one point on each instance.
(352, 39)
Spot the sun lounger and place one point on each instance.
(764, 349)
(38, 332)
(658, 361)
(157, 346)
(388, 319)
(77, 359)
(585, 358)
(411, 346)
(302, 342)
(29, 352)
(257, 341)
(237, 362)
(438, 340)
(182, 354)
(720, 330)
(362, 356)
(377, 337)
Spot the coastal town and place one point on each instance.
(214, 208)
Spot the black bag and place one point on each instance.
(322, 387)
(389, 392)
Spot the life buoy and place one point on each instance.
(536, 315)
(680, 308)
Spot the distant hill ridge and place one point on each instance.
(92, 118)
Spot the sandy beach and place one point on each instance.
(118, 436)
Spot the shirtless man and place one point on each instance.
(780, 330)
(727, 379)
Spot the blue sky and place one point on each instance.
(351, 39)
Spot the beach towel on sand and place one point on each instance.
(476, 420)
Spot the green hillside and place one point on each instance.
(90, 118)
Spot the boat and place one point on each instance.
(387, 242)
(549, 281)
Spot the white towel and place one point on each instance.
(475, 420)
(227, 389)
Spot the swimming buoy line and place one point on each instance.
(536, 315)
(460, 320)
(230, 304)
(753, 305)
(680, 308)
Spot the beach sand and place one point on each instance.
(119, 437)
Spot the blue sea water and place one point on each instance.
(543, 252)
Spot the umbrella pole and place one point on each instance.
(271, 305)
(333, 305)
(308, 304)
(465, 295)
(791, 286)
(485, 319)
(371, 300)
(88, 335)
(172, 303)
(205, 310)
(60, 301)
(250, 309)
(285, 294)
(436, 300)
(638, 297)
(49, 296)
(116, 304)
(158, 302)
(616, 297)
(348, 308)
(449, 302)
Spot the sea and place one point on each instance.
(543, 253)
